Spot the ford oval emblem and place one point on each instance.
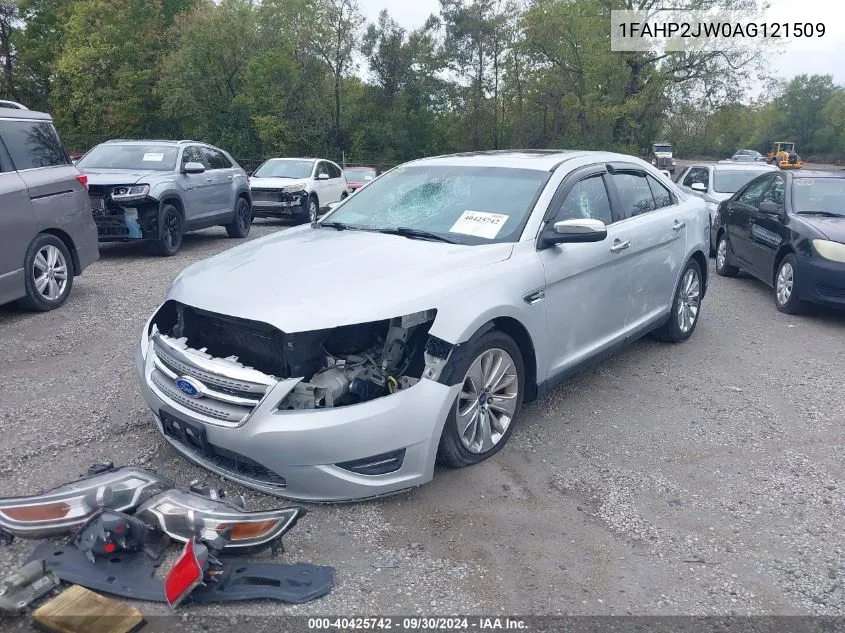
(189, 387)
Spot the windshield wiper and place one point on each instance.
(340, 226)
(827, 214)
(405, 231)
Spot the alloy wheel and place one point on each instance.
(50, 272)
(689, 300)
(785, 283)
(312, 209)
(488, 400)
(243, 215)
(722, 253)
(171, 229)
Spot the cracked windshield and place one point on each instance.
(469, 205)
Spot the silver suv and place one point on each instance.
(47, 235)
(158, 190)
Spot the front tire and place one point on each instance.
(242, 222)
(786, 294)
(170, 231)
(485, 412)
(313, 208)
(724, 268)
(686, 306)
(49, 274)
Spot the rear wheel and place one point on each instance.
(169, 231)
(242, 222)
(484, 414)
(686, 306)
(49, 273)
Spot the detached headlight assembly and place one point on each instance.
(130, 193)
(184, 516)
(63, 509)
(834, 251)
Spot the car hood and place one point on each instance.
(309, 279)
(832, 228)
(276, 183)
(117, 176)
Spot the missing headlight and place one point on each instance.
(365, 361)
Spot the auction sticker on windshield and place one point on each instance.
(155, 157)
(804, 182)
(479, 224)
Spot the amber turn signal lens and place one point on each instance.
(43, 512)
(246, 530)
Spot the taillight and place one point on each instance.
(83, 180)
(185, 576)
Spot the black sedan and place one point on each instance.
(787, 229)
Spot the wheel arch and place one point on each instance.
(67, 240)
(701, 259)
(176, 201)
(517, 331)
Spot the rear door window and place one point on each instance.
(33, 144)
(213, 158)
(634, 193)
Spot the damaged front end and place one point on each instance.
(336, 367)
(124, 212)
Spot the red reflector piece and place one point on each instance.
(183, 577)
(110, 547)
(83, 180)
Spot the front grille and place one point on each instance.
(111, 226)
(266, 195)
(227, 392)
(193, 439)
(377, 464)
(831, 291)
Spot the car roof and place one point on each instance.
(16, 113)
(538, 159)
(296, 158)
(157, 141)
(740, 165)
(817, 173)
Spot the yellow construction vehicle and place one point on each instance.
(784, 156)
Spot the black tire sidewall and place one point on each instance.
(794, 305)
(235, 229)
(34, 300)
(453, 445)
(674, 332)
(161, 245)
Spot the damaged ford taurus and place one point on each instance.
(342, 359)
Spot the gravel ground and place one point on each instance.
(704, 478)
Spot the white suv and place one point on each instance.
(296, 187)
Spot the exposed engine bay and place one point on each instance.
(340, 366)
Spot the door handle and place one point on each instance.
(209, 179)
(678, 225)
(229, 177)
(619, 246)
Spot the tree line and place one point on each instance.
(312, 77)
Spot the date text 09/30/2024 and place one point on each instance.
(417, 623)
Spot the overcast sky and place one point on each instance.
(412, 13)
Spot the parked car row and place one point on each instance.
(785, 228)
(56, 210)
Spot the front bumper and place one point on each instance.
(821, 281)
(278, 204)
(302, 448)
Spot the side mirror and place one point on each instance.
(322, 176)
(193, 168)
(771, 208)
(698, 186)
(573, 232)
(333, 206)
